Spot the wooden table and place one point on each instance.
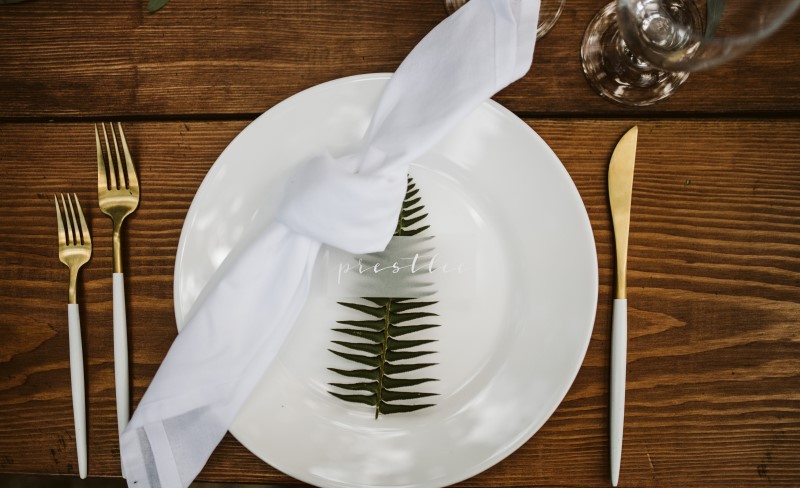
(714, 273)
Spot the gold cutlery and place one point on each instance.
(620, 189)
(74, 250)
(118, 197)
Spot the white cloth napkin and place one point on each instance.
(349, 202)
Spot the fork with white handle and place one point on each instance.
(118, 197)
(74, 250)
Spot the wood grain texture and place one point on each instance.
(61, 58)
(714, 293)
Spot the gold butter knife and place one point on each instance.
(620, 188)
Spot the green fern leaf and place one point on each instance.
(366, 324)
(391, 396)
(379, 347)
(375, 337)
(370, 386)
(154, 5)
(389, 408)
(393, 383)
(374, 311)
(398, 344)
(412, 202)
(367, 374)
(412, 211)
(399, 318)
(365, 399)
(400, 307)
(396, 331)
(393, 356)
(416, 231)
(393, 369)
(374, 349)
(374, 361)
(414, 220)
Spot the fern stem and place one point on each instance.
(386, 324)
(385, 346)
(399, 230)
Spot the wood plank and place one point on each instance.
(714, 350)
(94, 58)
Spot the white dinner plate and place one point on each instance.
(507, 352)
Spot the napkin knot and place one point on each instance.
(330, 201)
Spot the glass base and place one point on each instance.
(615, 72)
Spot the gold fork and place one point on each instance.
(118, 197)
(74, 250)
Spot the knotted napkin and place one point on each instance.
(349, 202)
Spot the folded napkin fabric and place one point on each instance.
(351, 202)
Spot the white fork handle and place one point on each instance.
(121, 353)
(619, 351)
(78, 388)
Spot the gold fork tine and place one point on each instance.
(120, 172)
(102, 177)
(133, 182)
(86, 236)
(76, 230)
(70, 232)
(62, 236)
(113, 180)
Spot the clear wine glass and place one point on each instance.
(637, 52)
(549, 12)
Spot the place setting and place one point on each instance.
(390, 279)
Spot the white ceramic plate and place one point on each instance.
(507, 353)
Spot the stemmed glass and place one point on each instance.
(637, 52)
(549, 12)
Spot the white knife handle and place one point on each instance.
(78, 388)
(619, 350)
(121, 353)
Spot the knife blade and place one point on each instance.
(620, 190)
